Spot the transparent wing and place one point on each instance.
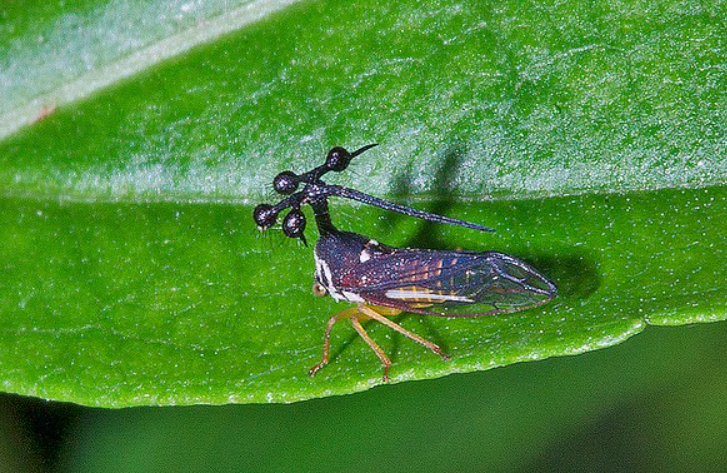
(454, 284)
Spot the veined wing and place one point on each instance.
(455, 283)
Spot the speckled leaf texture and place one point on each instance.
(135, 141)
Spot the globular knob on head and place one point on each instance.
(264, 216)
(338, 159)
(286, 182)
(294, 224)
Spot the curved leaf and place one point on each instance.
(180, 303)
(132, 276)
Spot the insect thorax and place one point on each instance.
(336, 254)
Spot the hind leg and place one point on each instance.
(371, 312)
(374, 346)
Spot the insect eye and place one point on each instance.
(294, 224)
(338, 159)
(286, 183)
(264, 216)
(319, 290)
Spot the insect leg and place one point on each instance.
(371, 312)
(344, 314)
(370, 342)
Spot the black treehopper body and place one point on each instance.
(383, 280)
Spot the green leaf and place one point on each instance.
(133, 274)
(75, 48)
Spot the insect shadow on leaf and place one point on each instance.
(574, 271)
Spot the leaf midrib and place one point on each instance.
(128, 65)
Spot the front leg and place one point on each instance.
(344, 314)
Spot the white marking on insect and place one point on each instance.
(364, 256)
(351, 297)
(373, 242)
(323, 275)
(399, 294)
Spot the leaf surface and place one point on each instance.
(593, 140)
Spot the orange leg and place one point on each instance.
(364, 312)
(370, 342)
(373, 314)
(344, 314)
